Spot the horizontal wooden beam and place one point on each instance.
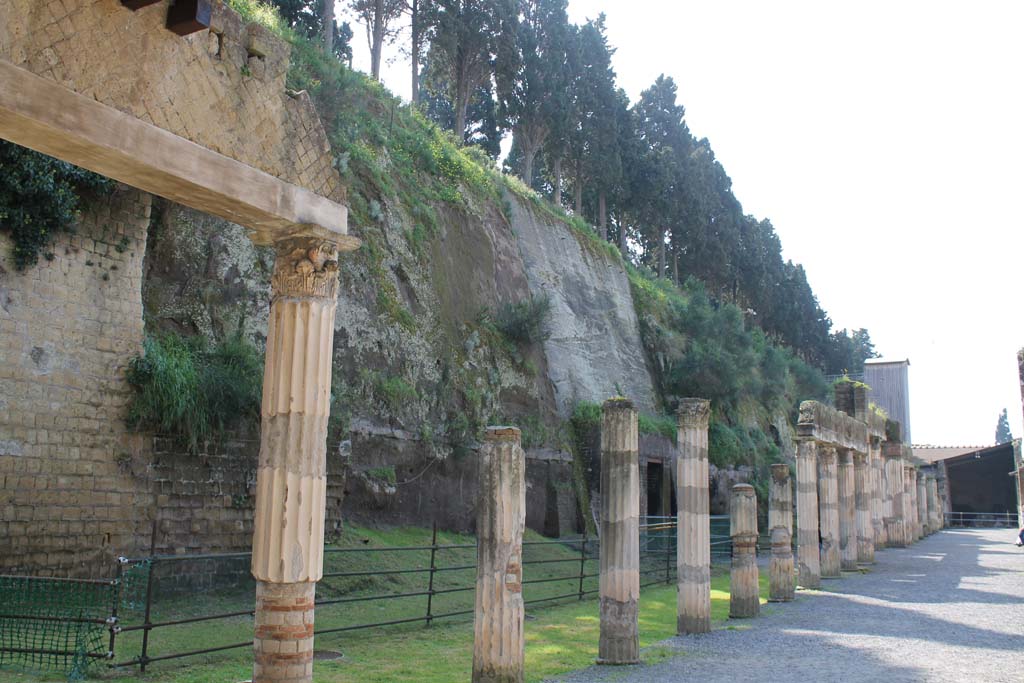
(138, 4)
(37, 113)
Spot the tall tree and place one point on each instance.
(463, 39)
(1003, 434)
(532, 76)
(378, 17)
(593, 97)
(307, 18)
(415, 9)
(327, 19)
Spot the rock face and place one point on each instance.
(594, 350)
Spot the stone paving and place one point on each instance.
(949, 608)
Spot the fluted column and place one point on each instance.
(894, 500)
(620, 534)
(934, 511)
(743, 586)
(807, 543)
(862, 494)
(922, 504)
(498, 641)
(780, 525)
(877, 492)
(288, 534)
(828, 511)
(693, 530)
(846, 479)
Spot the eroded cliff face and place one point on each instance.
(594, 350)
(416, 366)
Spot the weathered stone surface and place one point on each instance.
(922, 504)
(594, 332)
(744, 591)
(934, 505)
(892, 454)
(498, 640)
(693, 531)
(620, 534)
(807, 541)
(780, 525)
(828, 425)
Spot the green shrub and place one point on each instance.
(40, 197)
(665, 425)
(524, 322)
(193, 393)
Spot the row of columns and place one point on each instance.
(851, 503)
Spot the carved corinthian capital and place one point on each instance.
(694, 412)
(306, 267)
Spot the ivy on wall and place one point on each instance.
(40, 197)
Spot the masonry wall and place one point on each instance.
(68, 497)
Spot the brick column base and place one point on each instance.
(284, 632)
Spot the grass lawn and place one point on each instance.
(560, 637)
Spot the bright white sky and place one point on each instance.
(885, 141)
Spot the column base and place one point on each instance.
(283, 643)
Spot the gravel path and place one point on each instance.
(949, 608)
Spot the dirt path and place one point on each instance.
(950, 608)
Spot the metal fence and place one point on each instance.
(981, 519)
(150, 609)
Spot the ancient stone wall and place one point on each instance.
(69, 496)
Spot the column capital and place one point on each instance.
(694, 412)
(305, 268)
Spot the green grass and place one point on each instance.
(560, 637)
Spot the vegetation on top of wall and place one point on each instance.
(194, 390)
(40, 197)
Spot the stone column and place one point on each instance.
(926, 527)
(828, 511)
(934, 511)
(693, 530)
(877, 492)
(807, 542)
(743, 586)
(620, 534)
(498, 643)
(894, 496)
(846, 479)
(780, 525)
(909, 509)
(288, 534)
(862, 494)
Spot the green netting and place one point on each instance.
(54, 624)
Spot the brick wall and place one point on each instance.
(68, 326)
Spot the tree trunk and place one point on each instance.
(529, 149)
(415, 48)
(461, 104)
(578, 191)
(661, 255)
(602, 215)
(328, 21)
(377, 43)
(557, 168)
(623, 245)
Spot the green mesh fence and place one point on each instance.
(54, 624)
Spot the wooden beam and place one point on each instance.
(189, 16)
(37, 113)
(138, 4)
